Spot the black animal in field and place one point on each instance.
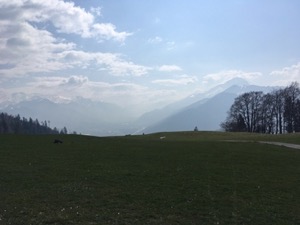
(57, 141)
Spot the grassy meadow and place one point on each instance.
(186, 178)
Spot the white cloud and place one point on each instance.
(127, 94)
(108, 31)
(65, 17)
(76, 80)
(224, 76)
(105, 61)
(180, 80)
(26, 48)
(287, 75)
(281, 77)
(3, 95)
(171, 45)
(120, 67)
(169, 68)
(155, 40)
(96, 11)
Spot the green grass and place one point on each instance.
(221, 136)
(187, 178)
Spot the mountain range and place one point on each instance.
(82, 115)
(205, 110)
(206, 113)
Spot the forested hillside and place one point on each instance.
(16, 125)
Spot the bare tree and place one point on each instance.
(267, 114)
(291, 95)
(275, 112)
(246, 110)
(279, 110)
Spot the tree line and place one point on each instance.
(276, 112)
(16, 125)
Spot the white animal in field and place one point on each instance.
(163, 137)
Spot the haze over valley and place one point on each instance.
(205, 110)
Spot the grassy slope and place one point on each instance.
(221, 136)
(187, 178)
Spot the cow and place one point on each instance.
(57, 141)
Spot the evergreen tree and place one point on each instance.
(17, 125)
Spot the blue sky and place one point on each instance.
(143, 54)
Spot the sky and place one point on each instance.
(143, 54)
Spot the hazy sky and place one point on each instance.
(143, 53)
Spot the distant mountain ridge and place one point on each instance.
(205, 114)
(206, 110)
(83, 115)
(157, 115)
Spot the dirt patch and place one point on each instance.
(288, 145)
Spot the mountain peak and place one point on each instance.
(237, 81)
